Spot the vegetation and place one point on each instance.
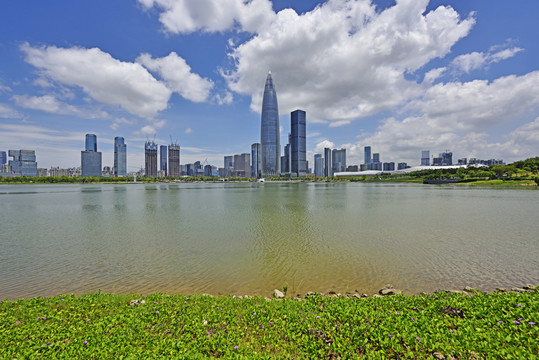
(465, 326)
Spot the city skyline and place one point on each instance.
(415, 75)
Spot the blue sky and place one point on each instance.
(399, 76)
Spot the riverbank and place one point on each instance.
(440, 325)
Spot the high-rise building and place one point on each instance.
(150, 157)
(174, 160)
(163, 159)
(269, 132)
(338, 160)
(3, 158)
(375, 163)
(388, 166)
(298, 142)
(120, 157)
(256, 161)
(286, 159)
(90, 158)
(447, 158)
(425, 158)
(318, 165)
(23, 163)
(229, 165)
(368, 159)
(328, 168)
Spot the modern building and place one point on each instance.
(57, 172)
(388, 166)
(90, 158)
(338, 160)
(298, 142)
(447, 158)
(120, 157)
(318, 165)
(368, 160)
(3, 158)
(286, 159)
(163, 159)
(150, 157)
(229, 165)
(256, 161)
(328, 169)
(402, 166)
(425, 158)
(375, 162)
(269, 132)
(174, 160)
(23, 163)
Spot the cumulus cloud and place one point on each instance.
(366, 52)
(50, 104)
(187, 16)
(319, 148)
(188, 131)
(178, 76)
(103, 78)
(7, 112)
(477, 60)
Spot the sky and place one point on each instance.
(399, 76)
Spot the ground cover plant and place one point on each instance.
(441, 324)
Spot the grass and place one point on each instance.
(465, 326)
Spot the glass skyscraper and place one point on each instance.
(256, 161)
(298, 143)
(328, 169)
(150, 157)
(120, 157)
(338, 160)
(23, 163)
(269, 133)
(90, 159)
(368, 160)
(163, 159)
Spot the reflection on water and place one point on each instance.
(251, 238)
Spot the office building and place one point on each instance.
(120, 157)
(447, 158)
(298, 142)
(174, 160)
(150, 157)
(90, 158)
(368, 160)
(229, 165)
(338, 160)
(163, 160)
(256, 161)
(375, 162)
(328, 169)
(318, 165)
(286, 159)
(388, 166)
(23, 163)
(425, 158)
(269, 132)
(402, 166)
(3, 158)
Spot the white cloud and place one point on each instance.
(47, 103)
(433, 74)
(187, 16)
(319, 148)
(224, 100)
(103, 78)
(367, 54)
(188, 131)
(7, 112)
(477, 60)
(178, 76)
(118, 122)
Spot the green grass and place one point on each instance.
(498, 326)
(501, 183)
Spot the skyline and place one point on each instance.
(399, 77)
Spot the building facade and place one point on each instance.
(3, 158)
(338, 160)
(256, 161)
(318, 165)
(163, 159)
(120, 157)
(269, 131)
(298, 142)
(23, 163)
(150, 157)
(174, 160)
(367, 156)
(425, 158)
(328, 168)
(90, 158)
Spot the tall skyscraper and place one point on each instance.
(90, 159)
(328, 168)
(338, 160)
(23, 163)
(269, 131)
(256, 161)
(120, 157)
(150, 152)
(298, 142)
(425, 158)
(368, 160)
(174, 160)
(3, 158)
(163, 159)
(318, 165)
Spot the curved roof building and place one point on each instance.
(269, 133)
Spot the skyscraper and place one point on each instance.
(338, 160)
(23, 163)
(150, 152)
(3, 158)
(256, 159)
(269, 132)
(163, 159)
(174, 160)
(90, 159)
(425, 158)
(298, 143)
(328, 169)
(368, 157)
(318, 165)
(120, 157)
